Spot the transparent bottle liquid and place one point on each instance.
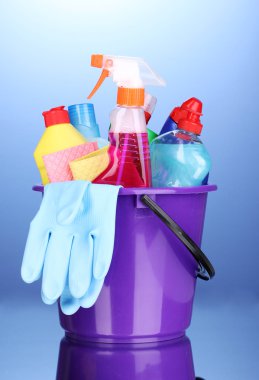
(129, 152)
(179, 158)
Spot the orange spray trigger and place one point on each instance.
(105, 73)
(97, 60)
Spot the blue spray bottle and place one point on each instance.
(179, 158)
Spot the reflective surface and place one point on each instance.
(152, 361)
(224, 339)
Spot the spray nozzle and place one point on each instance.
(131, 74)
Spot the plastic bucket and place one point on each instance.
(149, 290)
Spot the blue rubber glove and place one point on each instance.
(102, 214)
(69, 304)
(71, 242)
(58, 235)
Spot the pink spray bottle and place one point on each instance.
(129, 154)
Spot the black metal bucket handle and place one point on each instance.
(206, 271)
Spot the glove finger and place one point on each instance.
(34, 253)
(92, 294)
(56, 263)
(46, 300)
(103, 251)
(103, 201)
(80, 266)
(69, 305)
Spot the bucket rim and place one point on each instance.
(167, 190)
(155, 190)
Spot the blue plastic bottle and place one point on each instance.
(179, 158)
(82, 117)
(170, 124)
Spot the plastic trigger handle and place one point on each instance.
(105, 73)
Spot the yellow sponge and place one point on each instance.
(90, 166)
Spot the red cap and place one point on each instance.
(177, 114)
(189, 116)
(57, 115)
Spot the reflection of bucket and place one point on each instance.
(149, 290)
(148, 361)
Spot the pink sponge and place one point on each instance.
(57, 164)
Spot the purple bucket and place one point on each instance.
(149, 290)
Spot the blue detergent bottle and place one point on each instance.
(82, 117)
(178, 157)
(170, 124)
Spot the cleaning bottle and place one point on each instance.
(151, 135)
(82, 117)
(179, 157)
(58, 135)
(177, 114)
(129, 155)
(149, 107)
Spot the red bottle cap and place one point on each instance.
(177, 114)
(57, 115)
(189, 116)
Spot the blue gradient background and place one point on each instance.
(202, 48)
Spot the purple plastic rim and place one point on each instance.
(154, 190)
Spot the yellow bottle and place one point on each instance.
(59, 135)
